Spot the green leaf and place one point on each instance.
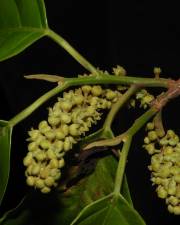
(22, 22)
(110, 210)
(125, 191)
(63, 207)
(97, 185)
(5, 147)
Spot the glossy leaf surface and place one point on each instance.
(22, 22)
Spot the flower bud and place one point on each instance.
(32, 146)
(54, 163)
(45, 190)
(66, 106)
(162, 193)
(150, 148)
(152, 135)
(50, 134)
(172, 187)
(65, 118)
(61, 163)
(177, 178)
(170, 134)
(39, 183)
(35, 169)
(27, 160)
(44, 172)
(110, 94)
(42, 125)
(54, 121)
(150, 126)
(67, 144)
(30, 181)
(78, 99)
(168, 150)
(59, 134)
(49, 181)
(40, 156)
(65, 129)
(73, 129)
(170, 208)
(173, 200)
(50, 154)
(177, 210)
(86, 89)
(59, 145)
(119, 71)
(45, 144)
(146, 140)
(34, 134)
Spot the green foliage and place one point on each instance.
(102, 197)
(109, 210)
(21, 24)
(68, 204)
(5, 147)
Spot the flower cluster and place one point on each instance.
(165, 165)
(70, 117)
(144, 97)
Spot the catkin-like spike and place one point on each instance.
(70, 117)
(165, 166)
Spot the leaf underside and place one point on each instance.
(22, 22)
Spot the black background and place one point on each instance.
(135, 34)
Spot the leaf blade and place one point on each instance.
(125, 191)
(97, 185)
(22, 40)
(5, 147)
(110, 210)
(21, 24)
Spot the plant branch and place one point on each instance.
(121, 165)
(159, 124)
(131, 131)
(103, 79)
(116, 106)
(72, 51)
(156, 106)
(26, 112)
(141, 121)
(172, 92)
(126, 146)
(105, 132)
(123, 80)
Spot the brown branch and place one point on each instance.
(163, 99)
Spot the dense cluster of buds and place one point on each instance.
(70, 117)
(144, 97)
(165, 165)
